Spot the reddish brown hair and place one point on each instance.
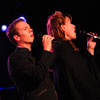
(54, 25)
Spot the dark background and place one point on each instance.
(85, 15)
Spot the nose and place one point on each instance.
(74, 26)
(31, 30)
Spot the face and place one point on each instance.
(25, 32)
(69, 29)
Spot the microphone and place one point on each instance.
(39, 37)
(83, 32)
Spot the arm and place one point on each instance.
(26, 71)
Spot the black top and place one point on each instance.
(76, 76)
(30, 77)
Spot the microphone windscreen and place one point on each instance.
(39, 36)
(82, 32)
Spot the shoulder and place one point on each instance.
(18, 53)
(61, 44)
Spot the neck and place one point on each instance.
(28, 46)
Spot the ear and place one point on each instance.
(63, 27)
(16, 37)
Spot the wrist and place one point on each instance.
(91, 50)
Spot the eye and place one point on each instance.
(25, 28)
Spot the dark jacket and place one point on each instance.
(76, 76)
(30, 77)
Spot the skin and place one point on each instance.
(91, 45)
(69, 30)
(25, 38)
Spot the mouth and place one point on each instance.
(32, 35)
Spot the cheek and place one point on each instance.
(68, 28)
(72, 34)
(25, 38)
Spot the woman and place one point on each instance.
(76, 75)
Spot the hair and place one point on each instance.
(54, 29)
(11, 31)
(54, 23)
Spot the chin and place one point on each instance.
(75, 37)
(31, 41)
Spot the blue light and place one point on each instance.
(5, 88)
(2, 88)
(12, 87)
(3, 28)
(22, 17)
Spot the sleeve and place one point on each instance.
(88, 55)
(47, 59)
(97, 53)
(28, 69)
(91, 59)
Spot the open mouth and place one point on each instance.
(32, 35)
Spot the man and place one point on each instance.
(30, 77)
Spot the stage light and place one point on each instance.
(22, 17)
(3, 28)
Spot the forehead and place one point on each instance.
(67, 19)
(21, 25)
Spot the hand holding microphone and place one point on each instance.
(91, 42)
(47, 42)
(90, 34)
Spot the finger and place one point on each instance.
(44, 37)
(91, 38)
(48, 37)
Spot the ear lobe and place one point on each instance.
(16, 37)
